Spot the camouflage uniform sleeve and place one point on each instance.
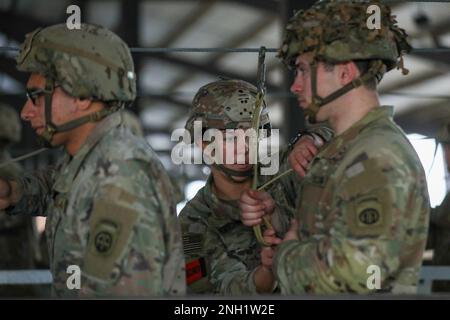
(36, 190)
(377, 218)
(197, 263)
(230, 276)
(134, 241)
(322, 130)
(210, 267)
(285, 191)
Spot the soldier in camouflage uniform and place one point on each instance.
(17, 234)
(364, 200)
(222, 255)
(439, 234)
(108, 203)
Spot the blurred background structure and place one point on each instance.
(167, 81)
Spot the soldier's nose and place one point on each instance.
(295, 87)
(27, 111)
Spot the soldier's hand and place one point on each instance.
(254, 205)
(267, 253)
(5, 192)
(302, 154)
(292, 233)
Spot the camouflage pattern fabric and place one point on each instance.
(225, 104)
(340, 38)
(110, 212)
(363, 202)
(221, 253)
(17, 239)
(92, 62)
(133, 122)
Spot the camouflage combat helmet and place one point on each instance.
(336, 31)
(443, 136)
(10, 126)
(91, 62)
(226, 104)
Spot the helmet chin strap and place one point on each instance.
(46, 137)
(377, 68)
(230, 173)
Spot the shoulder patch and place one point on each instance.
(111, 227)
(369, 216)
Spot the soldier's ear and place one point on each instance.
(347, 72)
(83, 104)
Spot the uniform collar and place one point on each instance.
(222, 209)
(341, 142)
(70, 166)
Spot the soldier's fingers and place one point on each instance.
(252, 215)
(269, 232)
(309, 144)
(299, 170)
(251, 208)
(262, 195)
(305, 154)
(269, 237)
(251, 222)
(269, 205)
(272, 240)
(312, 148)
(303, 162)
(255, 194)
(4, 203)
(246, 198)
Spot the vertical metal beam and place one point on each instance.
(129, 31)
(294, 117)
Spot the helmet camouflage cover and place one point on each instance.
(226, 104)
(10, 126)
(337, 31)
(91, 62)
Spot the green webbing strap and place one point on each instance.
(46, 137)
(261, 76)
(50, 128)
(93, 117)
(377, 67)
